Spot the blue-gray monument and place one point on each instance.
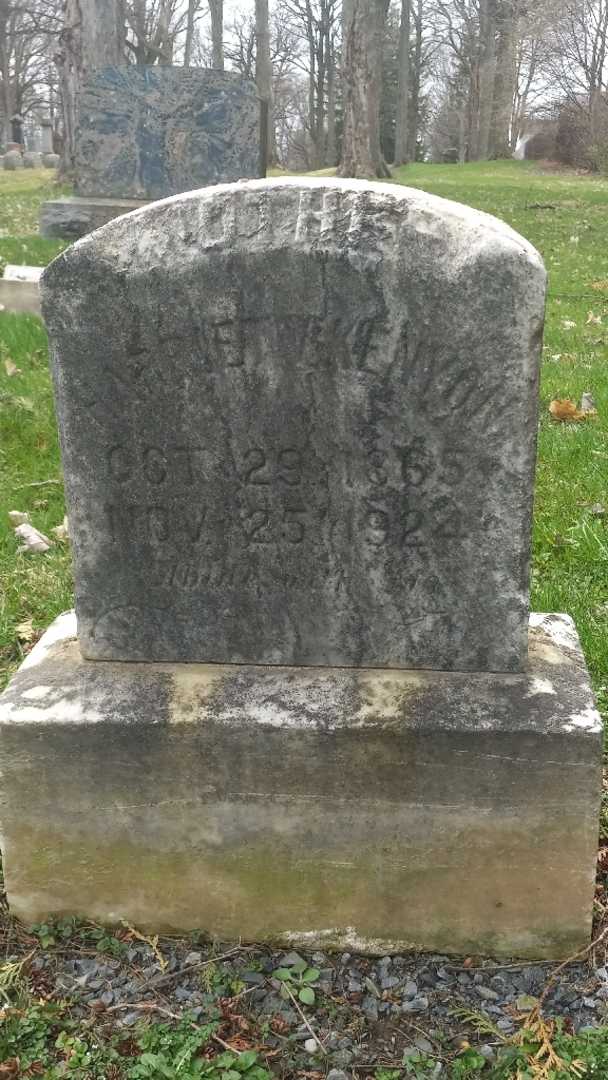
(150, 132)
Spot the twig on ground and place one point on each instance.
(306, 1022)
(151, 1006)
(38, 483)
(160, 980)
(571, 959)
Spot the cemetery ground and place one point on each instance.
(77, 1000)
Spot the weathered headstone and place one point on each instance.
(149, 132)
(12, 160)
(297, 423)
(373, 505)
(47, 136)
(146, 133)
(32, 159)
(51, 161)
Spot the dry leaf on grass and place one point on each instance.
(565, 409)
(596, 320)
(25, 630)
(568, 324)
(18, 517)
(61, 532)
(33, 542)
(11, 368)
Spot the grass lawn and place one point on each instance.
(566, 217)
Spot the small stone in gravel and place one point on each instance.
(129, 1018)
(389, 982)
(505, 1024)
(590, 1003)
(95, 984)
(424, 1045)
(478, 978)
(291, 958)
(107, 998)
(192, 958)
(417, 1004)
(311, 1046)
(337, 1074)
(487, 994)
(464, 979)
(487, 1051)
(181, 994)
(342, 1057)
(252, 978)
(369, 1006)
(354, 986)
(410, 989)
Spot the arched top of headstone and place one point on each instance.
(298, 425)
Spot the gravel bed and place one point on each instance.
(366, 1010)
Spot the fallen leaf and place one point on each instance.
(24, 403)
(564, 409)
(34, 542)
(11, 368)
(10, 1068)
(600, 286)
(568, 324)
(25, 630)
(61, 532)
(18, 517)
(597, 509)
(595, 319)
(588, 405)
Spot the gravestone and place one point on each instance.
(32, 159)
(298, 423)
(13, 159)
(47, 136)
(337, 524)
(150, 132)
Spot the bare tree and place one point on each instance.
(402, 141)
(263, 72)
(362, 79)
(216, 10)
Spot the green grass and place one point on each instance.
(564, 215)
(21, 194)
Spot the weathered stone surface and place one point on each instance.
(12, 160)
(148, 132)
(50, 160)
(71, 217)
(298, 424)
(32, 160)
(374, 810)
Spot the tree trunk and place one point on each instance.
(504, 82)
(403, 87)
(189, 42)
(362, 79)
(487, 75)
(332, 146)
(92, 37)
(263, 78)
(415, 81)
(216, 8)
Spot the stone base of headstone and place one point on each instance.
(72, 216)
(19, 289)
(373, 810)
